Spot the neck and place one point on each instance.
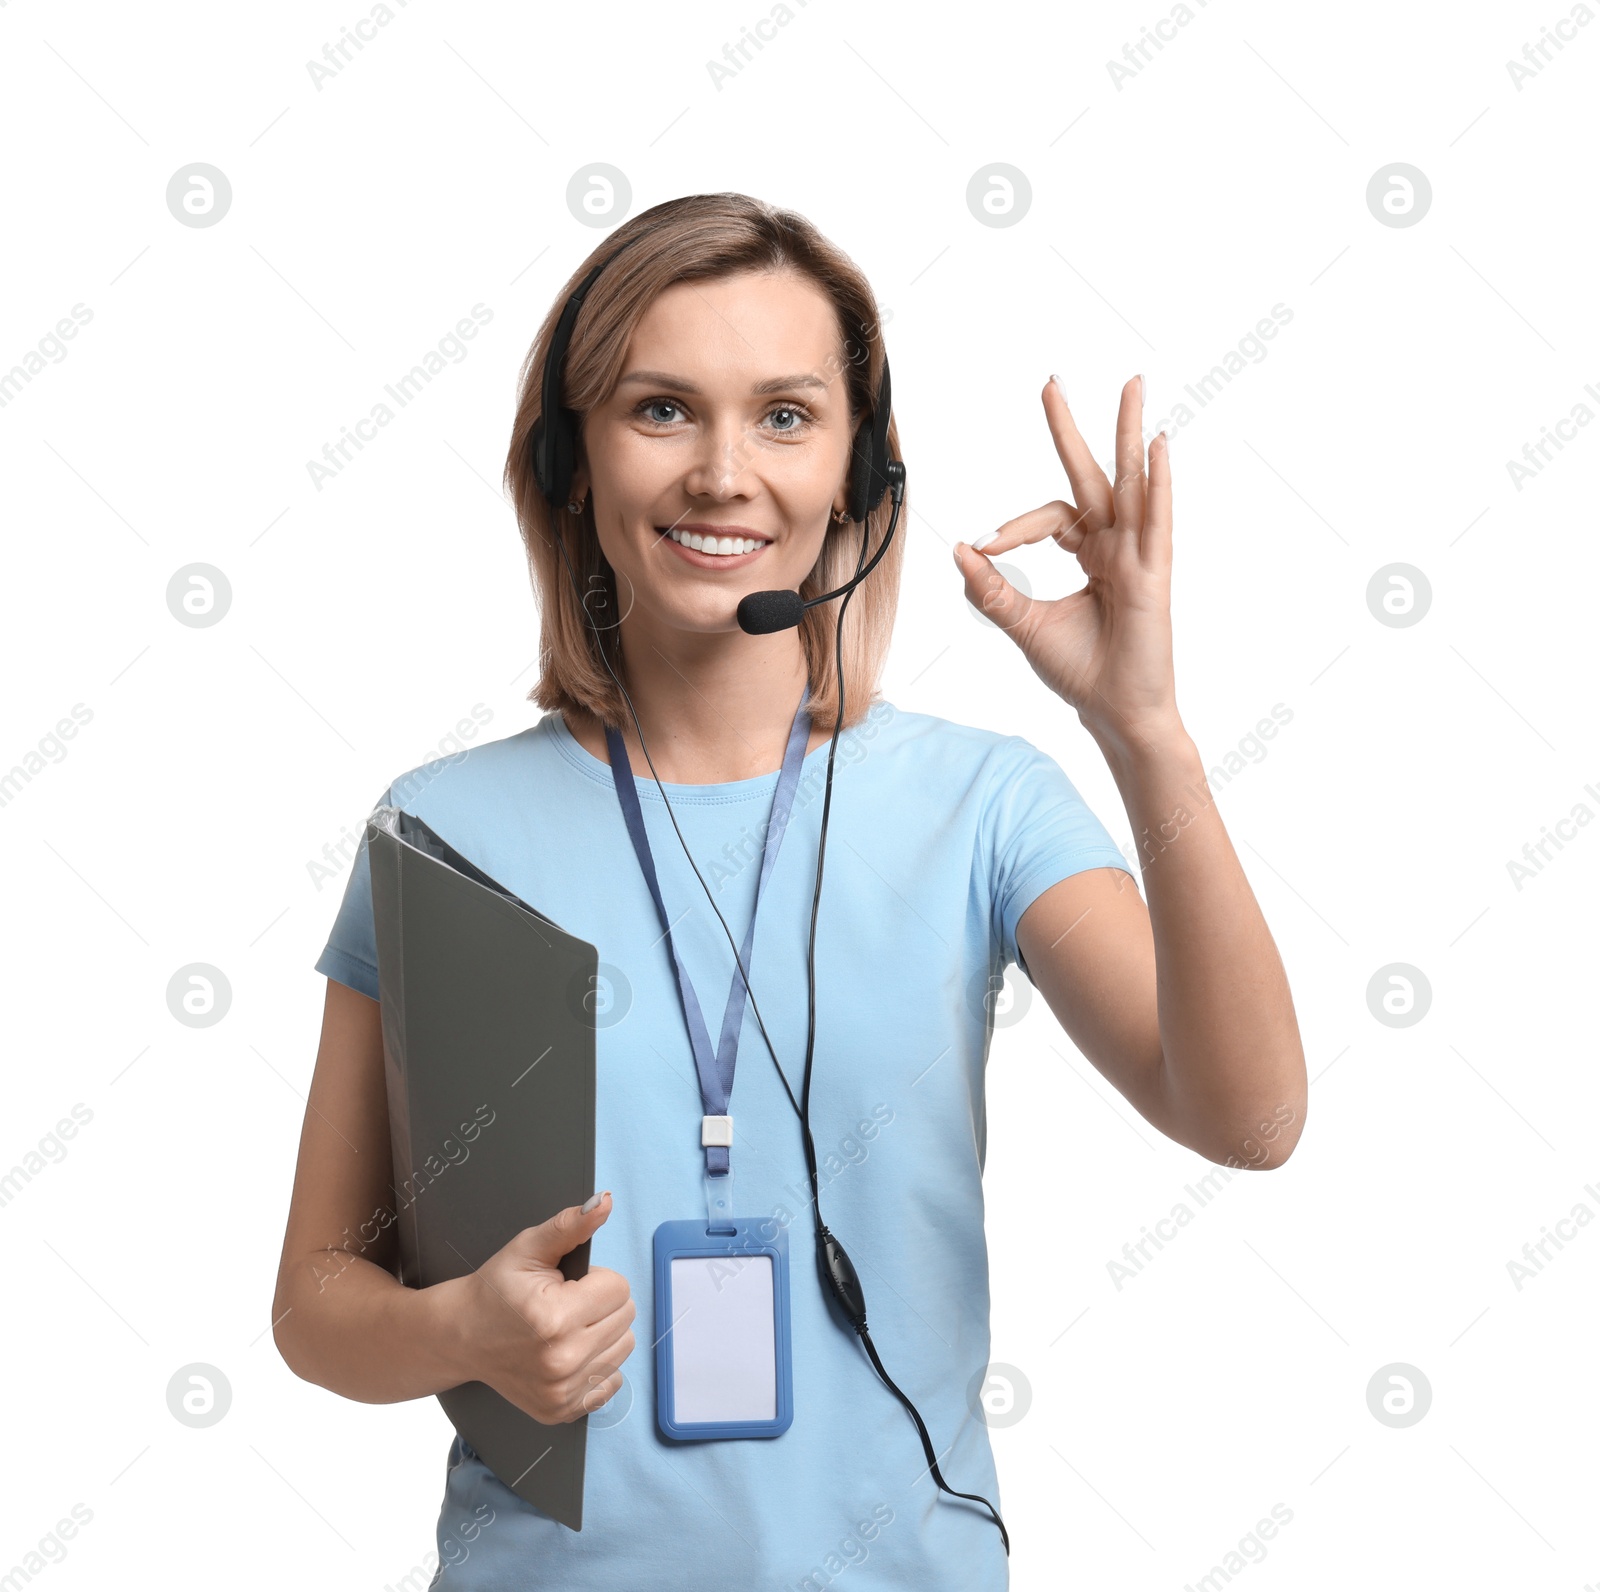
(714, 707)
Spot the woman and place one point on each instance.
(720, 367)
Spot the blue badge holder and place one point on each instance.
(749, 1239)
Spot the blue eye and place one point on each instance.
(660, 403)
(800, 417)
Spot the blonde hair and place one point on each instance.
(694, 239)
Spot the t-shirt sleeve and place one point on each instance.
(1041, 831)
(351, 954)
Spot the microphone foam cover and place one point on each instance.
(763, 612)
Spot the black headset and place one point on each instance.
(553, 445)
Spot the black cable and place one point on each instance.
(833, 1263)
(851, 1297)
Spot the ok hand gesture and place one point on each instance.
(1106, 649)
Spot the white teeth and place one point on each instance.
(720, 546)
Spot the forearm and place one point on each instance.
(352, 1327)
(1233, 1071)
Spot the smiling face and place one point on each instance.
(715, 464)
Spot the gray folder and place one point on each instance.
(488, 1044)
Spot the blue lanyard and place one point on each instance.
(716, 1072)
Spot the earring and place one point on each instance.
(841, 516)
(574, 508)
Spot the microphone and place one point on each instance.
(762, 613)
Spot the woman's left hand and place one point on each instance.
(1106, 649)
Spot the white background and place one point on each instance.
(1168, 216)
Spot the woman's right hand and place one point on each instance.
(549, 1345)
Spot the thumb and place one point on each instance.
(545, 1244)
(989, 591)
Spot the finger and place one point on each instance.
(599, 1342)
(600, 1392)
(546, 1244)
(992, 594)
(610, 1327)
(1127, 491)
(575, 1389)
(610, 1354)
(591, 1298)
(1090, 489)
(1060, 520)
(1155, 545)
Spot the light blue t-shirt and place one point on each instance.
(940, 836)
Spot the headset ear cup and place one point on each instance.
(541, 476)
(564, 460)
(556, 484)
(554, 455)
(869, 455)
(861, 473)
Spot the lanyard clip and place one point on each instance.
(717, 1131)
(719, 1202)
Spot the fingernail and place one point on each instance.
(590, 1203)
(1059, 388)
(955, 553)
(981, 542)
(1141, 389)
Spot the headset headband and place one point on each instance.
(552, 444)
